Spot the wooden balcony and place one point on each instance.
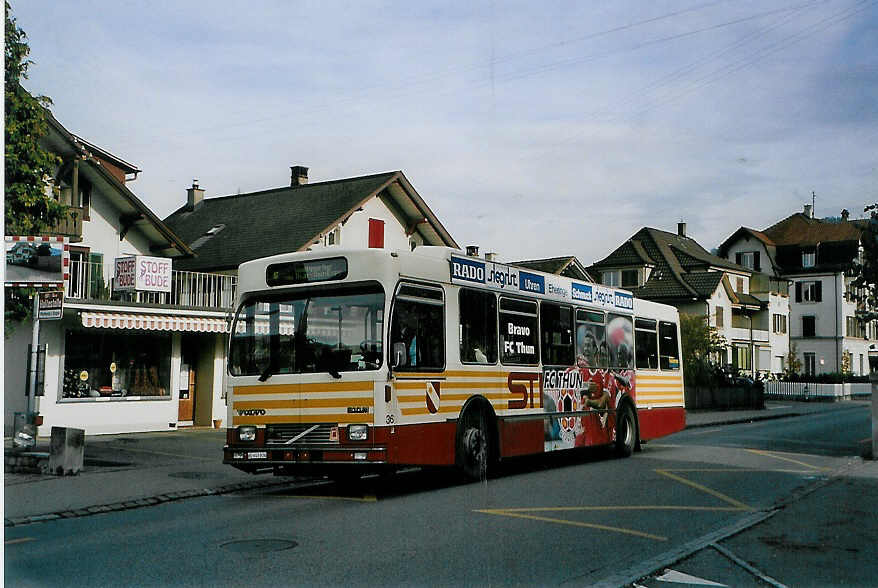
(71, 225)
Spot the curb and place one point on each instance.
(143, 502)
(766, 417)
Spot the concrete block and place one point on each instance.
(66, 451)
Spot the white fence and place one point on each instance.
(813, 391)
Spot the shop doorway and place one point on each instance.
(196, 380)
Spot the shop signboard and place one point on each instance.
(143, 274)
(36, 261)
(51, 305)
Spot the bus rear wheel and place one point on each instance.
(473, 445)
(626, 431)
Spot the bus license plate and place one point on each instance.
(257, 455)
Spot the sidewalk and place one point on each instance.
(140, 469)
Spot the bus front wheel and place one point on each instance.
(473, 445)
(626, 431)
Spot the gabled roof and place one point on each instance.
(132, 211)
(568, 266)
(744, 232)
(269, 222)
(681, 267)
(802, 230)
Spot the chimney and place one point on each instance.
(491, 256)
(845, 214)
(809, 211)
(472, 250)
(298, 175)
(194, 196)
(681, 229)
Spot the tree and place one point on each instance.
(793, 363)
(701, 343)
(865, 268)
(30, 208)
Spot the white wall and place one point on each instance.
(355, 232)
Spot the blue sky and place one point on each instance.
(533, 129)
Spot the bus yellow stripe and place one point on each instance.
(305, 403)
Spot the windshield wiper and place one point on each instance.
(334, 373)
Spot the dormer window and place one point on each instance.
(630, 278)
(749, 259)
(809, 258)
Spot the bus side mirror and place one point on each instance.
(400, 356)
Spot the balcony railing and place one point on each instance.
(90, 281)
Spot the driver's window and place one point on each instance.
(417, 330)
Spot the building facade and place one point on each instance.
(121, 359)
(814, 257)
(674, 269)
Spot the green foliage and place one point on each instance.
(866, 269)
(29, 207)
(700, 342)
(793, 363)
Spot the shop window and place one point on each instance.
(110, 364)
(591, 343)
(646, 344)
(556, 334)
(620, 341)
(417, 331)
(519, 342)
(669, 349)
(478, 327)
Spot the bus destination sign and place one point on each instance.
(305, 272)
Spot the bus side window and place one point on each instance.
(556, 330)
(620, 341)
(478, 327)
(669, 351)
(519, 332)
(646, 343)
(591, 340)
(417, 330)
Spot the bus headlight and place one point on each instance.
(247, 433)
(358, 432)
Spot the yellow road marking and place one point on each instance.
(505, 513)
(705, 489)
(614, 508)
(368, 498)
(775, 456)
(19, 540)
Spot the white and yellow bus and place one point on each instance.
(355, 361)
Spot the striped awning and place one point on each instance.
(153, 322)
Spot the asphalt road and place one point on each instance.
(571, 521)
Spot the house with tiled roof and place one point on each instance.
(814, 256)
(674, 269)
(374, 211)
(124, 355)
(568, 266)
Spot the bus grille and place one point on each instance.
(283, 434)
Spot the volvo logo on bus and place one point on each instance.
(252, 412)
(467, 269)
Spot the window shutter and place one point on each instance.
(756, 265)
(376, 233)
(818, 291)
(738, 257)
(798, 291)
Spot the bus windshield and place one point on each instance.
(308, 331)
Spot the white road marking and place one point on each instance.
(681, 578)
